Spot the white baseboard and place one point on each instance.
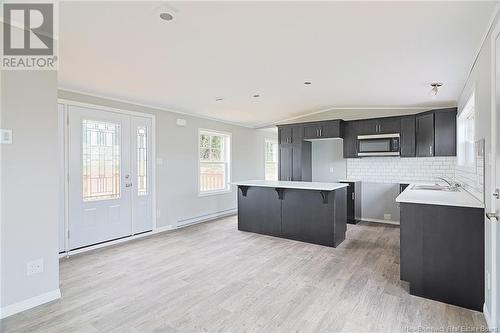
(29, 303)
(489, 320)
(164, 228)
(379, 221)
(206, 217)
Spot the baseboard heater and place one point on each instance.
(206, 217)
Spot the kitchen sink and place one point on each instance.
(435, 188)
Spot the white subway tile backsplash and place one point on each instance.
(395, 169)
(420, 169)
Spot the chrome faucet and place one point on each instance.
(450, 183)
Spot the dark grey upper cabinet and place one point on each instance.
(445, 132)
(294, 154)
(285, 134)
(425, 134)
(312, 131)
(349, 131)
(322, 130)
(331, 129)
(366, 127)
(389, 125)
(407, 136)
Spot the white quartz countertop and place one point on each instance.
(295, 185)
(461, 198)
(349, 180)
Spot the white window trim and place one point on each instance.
(229, 169)
(462, 162)
(275, 141)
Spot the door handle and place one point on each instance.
(128, 185)
(496, 194)
(492, 216)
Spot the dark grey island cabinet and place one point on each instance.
(305, 211)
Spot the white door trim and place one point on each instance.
(63, 132)
(492, 315)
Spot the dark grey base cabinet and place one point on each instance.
(442, 253)
(353, 201)
(317, 217)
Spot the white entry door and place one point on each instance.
(109, 176)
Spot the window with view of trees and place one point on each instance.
(465, 135)
(214, 167)
(271, 160)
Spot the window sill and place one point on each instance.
(209, 193)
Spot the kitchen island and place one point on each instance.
(311, 212)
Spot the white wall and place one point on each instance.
(327, 155)
(177, 179)
(480, 82)
(29, 190)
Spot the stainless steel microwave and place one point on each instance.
(378, 145)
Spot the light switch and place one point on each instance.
(331, 170)
(6, 136)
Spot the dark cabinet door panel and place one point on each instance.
(445, 132)
(350, 139)
(442, 253)
(425, 135)
(299, 206)
(259, 211)
(331, 129)
(367, 127)
(285, 134)
(389, 125)
(312, 131)
(407, 136)
(285, 161)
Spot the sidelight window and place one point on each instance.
(142, 160)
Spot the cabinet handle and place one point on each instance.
(352, 195)
(430, 150)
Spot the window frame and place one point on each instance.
(466, 115)
(228, 162)
(275, 142)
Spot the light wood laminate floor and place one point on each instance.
(213, 278)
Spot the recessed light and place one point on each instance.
(219, 99)
(256, 96)
(166, 16)
(307, 83)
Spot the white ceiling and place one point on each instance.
(356, 54)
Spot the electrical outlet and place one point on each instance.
(34, 267)
(387, 217)
(331, 170)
